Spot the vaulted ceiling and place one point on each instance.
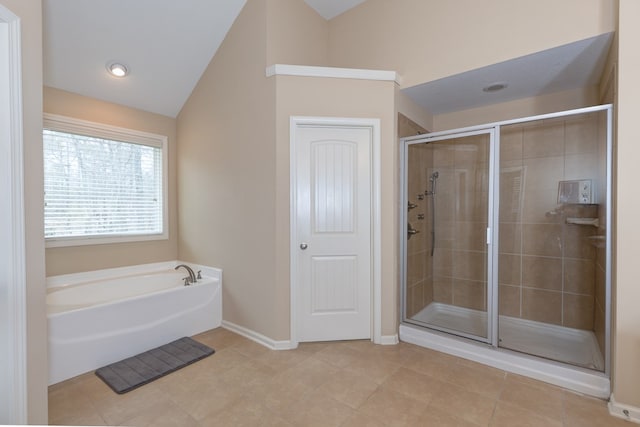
(167, 45)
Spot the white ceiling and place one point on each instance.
(166, 44)
(570, 66)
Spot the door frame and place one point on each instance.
(14, 250)
(296, 122)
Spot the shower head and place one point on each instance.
(432, 181)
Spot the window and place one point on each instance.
(102, 184)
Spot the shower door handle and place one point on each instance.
(303, 246)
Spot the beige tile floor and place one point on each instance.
(351, 383)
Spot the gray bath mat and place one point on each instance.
(135, 371)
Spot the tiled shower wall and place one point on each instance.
(461, 199)
(548, 270)
(419, 266)
(419, 284)
(456, 273)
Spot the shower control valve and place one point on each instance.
(411, 231)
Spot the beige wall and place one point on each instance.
(413, 111)
(234, 174)
(74, 259)
(307, 96)
(296, 34)
(227, 168)
(626, 375)
(550, 103)
(30, 14)
(407, 127)
(425, 40)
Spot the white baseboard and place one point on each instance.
(626, 412)
(286, 345)
(389, 340)
(257, 337)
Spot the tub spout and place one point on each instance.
(192, 275)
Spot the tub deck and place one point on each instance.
(107, 318)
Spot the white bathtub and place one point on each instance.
(101, 317)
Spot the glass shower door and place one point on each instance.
(446, 271)
(553, 202)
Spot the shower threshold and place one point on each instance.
(574, 346)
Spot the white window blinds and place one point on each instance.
(98, 187)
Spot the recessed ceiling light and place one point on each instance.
(495, 87)
(117, 69)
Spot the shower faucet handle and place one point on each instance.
(411, 206)
(411, 231)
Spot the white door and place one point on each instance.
(333, 232)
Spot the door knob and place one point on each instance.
(303, 246)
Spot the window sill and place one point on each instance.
(102, 240)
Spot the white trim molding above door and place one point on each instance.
(297, 127)
(13, 321)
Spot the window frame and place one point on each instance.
(75, 126)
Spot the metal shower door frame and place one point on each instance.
(492, 225)
(494, 195)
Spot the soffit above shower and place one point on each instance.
(571, 66)
(165, 44)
